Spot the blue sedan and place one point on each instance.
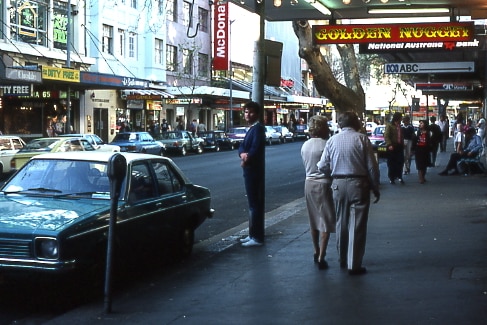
(55, 212)
(141, 142)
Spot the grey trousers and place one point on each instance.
(351, 197)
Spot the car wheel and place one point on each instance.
(161, 153)
(200, 149)
(269, 141)
(217, 148)
(183, 151)
(186, 242)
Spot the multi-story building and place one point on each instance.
(102, 62)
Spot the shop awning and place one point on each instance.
(146, 92)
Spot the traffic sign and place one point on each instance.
(429, 67)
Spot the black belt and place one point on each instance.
(348, 176)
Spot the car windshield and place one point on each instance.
(53, 177)
(127, 137)
(242, 130)
(169, 135)
(40, 145)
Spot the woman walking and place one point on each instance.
(422, 149)
(317, 189)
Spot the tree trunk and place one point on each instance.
(351, 98)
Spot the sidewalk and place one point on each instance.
(426, 259)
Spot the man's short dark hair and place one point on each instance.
(253, 106)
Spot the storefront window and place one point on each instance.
(29, 21)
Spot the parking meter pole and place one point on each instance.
(116, 172)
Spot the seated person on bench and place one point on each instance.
(472, 148)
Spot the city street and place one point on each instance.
(425, 258)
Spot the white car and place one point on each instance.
(96, 142)
(9, 145)
(271, 135)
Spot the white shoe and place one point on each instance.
(246, 239)
(252, 242)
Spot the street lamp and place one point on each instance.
(231, 76)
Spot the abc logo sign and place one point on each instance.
(401, 68)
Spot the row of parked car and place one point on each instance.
(14, 152)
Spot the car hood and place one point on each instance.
(46, 214)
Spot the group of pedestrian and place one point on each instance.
(341, 171)
(403, 142)
(57, 125)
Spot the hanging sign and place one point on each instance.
(393, 33)
(221, 38)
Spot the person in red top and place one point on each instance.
(422, 150)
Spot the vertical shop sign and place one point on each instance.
(220, 37)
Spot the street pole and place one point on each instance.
(231, 76)
(67, 126)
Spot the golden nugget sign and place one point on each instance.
(393, 33)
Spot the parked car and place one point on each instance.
(141, 142)
(286, 135)
(377, 136)
(9, 145)
(54, 226)
(271, 135)
(45, 145)
(370, 127)
(334, 127)
(301, 132)
(95, 141)
(181, 142)
(237, 134)
(216, 140)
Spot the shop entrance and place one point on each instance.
(100, 119)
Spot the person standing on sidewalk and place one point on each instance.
(395, 148)
(435, 139)
(252, 155)
(444, 125)
(349, 158)
(422, 148)
(408, 134)
(481, 128)
(317, 189)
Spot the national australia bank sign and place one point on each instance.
(394, 33)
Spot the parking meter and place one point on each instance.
(116, 170)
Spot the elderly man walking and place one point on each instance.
(349, 158)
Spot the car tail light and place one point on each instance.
(131, 148)
(12, 164)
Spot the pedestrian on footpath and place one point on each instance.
(317, 189)
(395, 148)
(435, 139)
(472, 148)
(422, 148)
(444, 125)
(349, 158)
(252, 156)
(481, 125)
(408, 134)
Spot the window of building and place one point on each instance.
(187, 21)
(133, 4)
(187, 61)
(203, 65)
(121, 42)
(159, 51)
(171, 10)
(203, 19)
(171, 58)
(160, 6)
(29, 21)
(107, 41)
(132, 45)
